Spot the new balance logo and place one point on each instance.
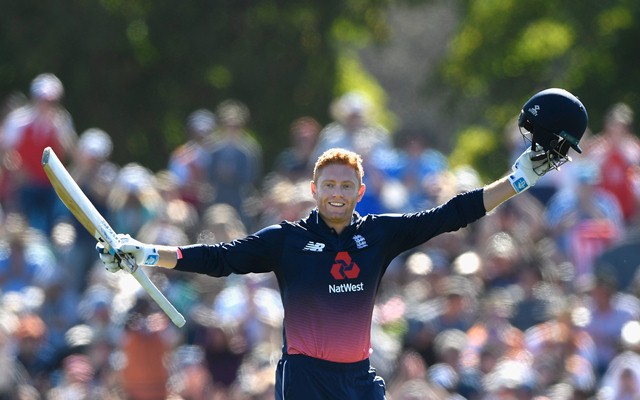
(314, 246)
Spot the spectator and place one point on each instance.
(532, 298)
(145, 346)
(27, 259)
(77, 381)
(58, 310)
(352, 128)
(562, 351)
(177, 219)
(503, 261)
(133, 200)
(623, 258)
(191, 380)
(221, 222)
(585, 220)
(224, 349)
(450, 310)
(26, 132)
(296, 161)
(7, 164)
(235, 159)
(519, 220)
(417, 167)
(189, 162)
(15, 381)
(493, 330)
(33, 351)
(616, 152)
(283, 199)
(606, 319)
(622, 379)
(254, 308)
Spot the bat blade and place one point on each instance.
(86, 213)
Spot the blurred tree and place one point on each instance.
(137, 68)
(507, 50)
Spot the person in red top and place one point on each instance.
(616, 150)
(25, 133)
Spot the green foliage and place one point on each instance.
(506, 50)
(137, 68)
(479, 147)
(351, 76)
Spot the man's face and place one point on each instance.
(337, 191)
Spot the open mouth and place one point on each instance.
(335, 204)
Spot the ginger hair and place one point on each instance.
(339, 156)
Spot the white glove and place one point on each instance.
(109, 260)
(525, 172)
(143, 254)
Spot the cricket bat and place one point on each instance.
(81, 207)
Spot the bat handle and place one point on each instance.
(129, 264)
(159, 298)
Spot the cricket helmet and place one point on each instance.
(555, 120)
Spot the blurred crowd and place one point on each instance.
(538, 300)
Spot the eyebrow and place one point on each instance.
(339, 183)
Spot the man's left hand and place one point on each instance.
(528, 168)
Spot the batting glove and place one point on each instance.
(528, 168)
(144, 254)
(109, 260)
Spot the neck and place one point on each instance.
(337, 227)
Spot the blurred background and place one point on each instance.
(200, 121)
(442, 68)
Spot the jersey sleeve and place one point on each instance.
(252, 254)
(413, 229)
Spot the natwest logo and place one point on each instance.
(346, 288)
(344, 267)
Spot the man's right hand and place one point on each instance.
(110, 262)
(142, 253)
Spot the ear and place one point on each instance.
(314, 188)
(361, 191)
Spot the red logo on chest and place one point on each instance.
(344, 267)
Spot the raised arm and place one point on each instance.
(497, 193)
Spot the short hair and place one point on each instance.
(339, 156)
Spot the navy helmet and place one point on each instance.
(556, 120)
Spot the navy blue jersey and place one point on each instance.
(328, 282)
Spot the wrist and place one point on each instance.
(168, 256)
